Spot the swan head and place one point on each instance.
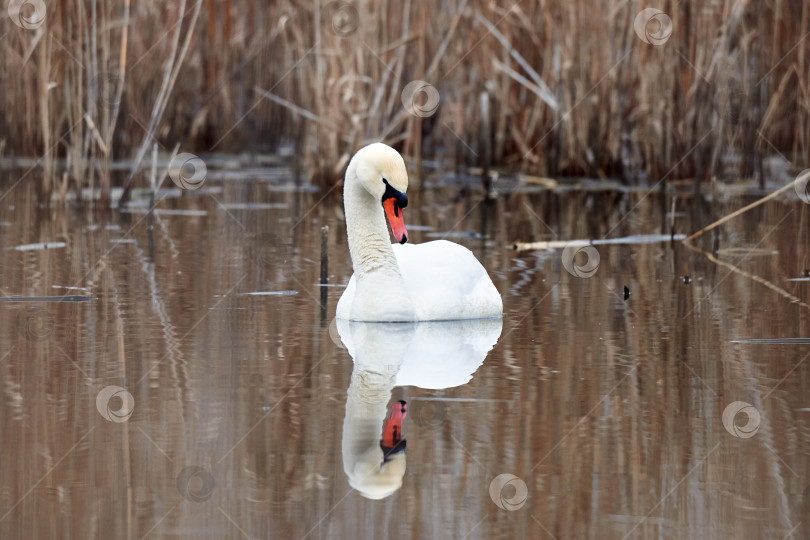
(381, 171)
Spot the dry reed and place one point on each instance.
(568, 87)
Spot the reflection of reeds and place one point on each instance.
(571, 89)
(616, 412)
(801, 179)
(759, 279)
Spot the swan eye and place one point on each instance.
(391, 193)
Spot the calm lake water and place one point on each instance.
(206, 393)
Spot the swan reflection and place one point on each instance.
(430, 355)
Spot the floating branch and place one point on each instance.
(635, 239)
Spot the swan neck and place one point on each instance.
(369, 242)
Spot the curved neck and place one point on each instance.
(369, 243)
(366, 406)
(378, 352)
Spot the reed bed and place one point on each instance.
(544, 87)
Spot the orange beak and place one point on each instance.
(395, 220)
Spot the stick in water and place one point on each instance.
(324, 270)
(802, 178)
(324, 254)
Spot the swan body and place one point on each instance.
(433, 355)
(433, 281)
(443, 281)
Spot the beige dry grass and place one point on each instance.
(568, 87)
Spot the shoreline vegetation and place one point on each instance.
(543, 88)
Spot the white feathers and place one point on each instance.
(434, 281)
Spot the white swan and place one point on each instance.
(441, 354)
(433, 281)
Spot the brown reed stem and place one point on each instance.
(801, 178)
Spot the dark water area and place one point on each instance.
(203, 389)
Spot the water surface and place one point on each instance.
(607, 409)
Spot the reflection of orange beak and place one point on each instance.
(396, 220)
(392, 433)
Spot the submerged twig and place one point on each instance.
(758, 279)
(324, 254)
(324, 269)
